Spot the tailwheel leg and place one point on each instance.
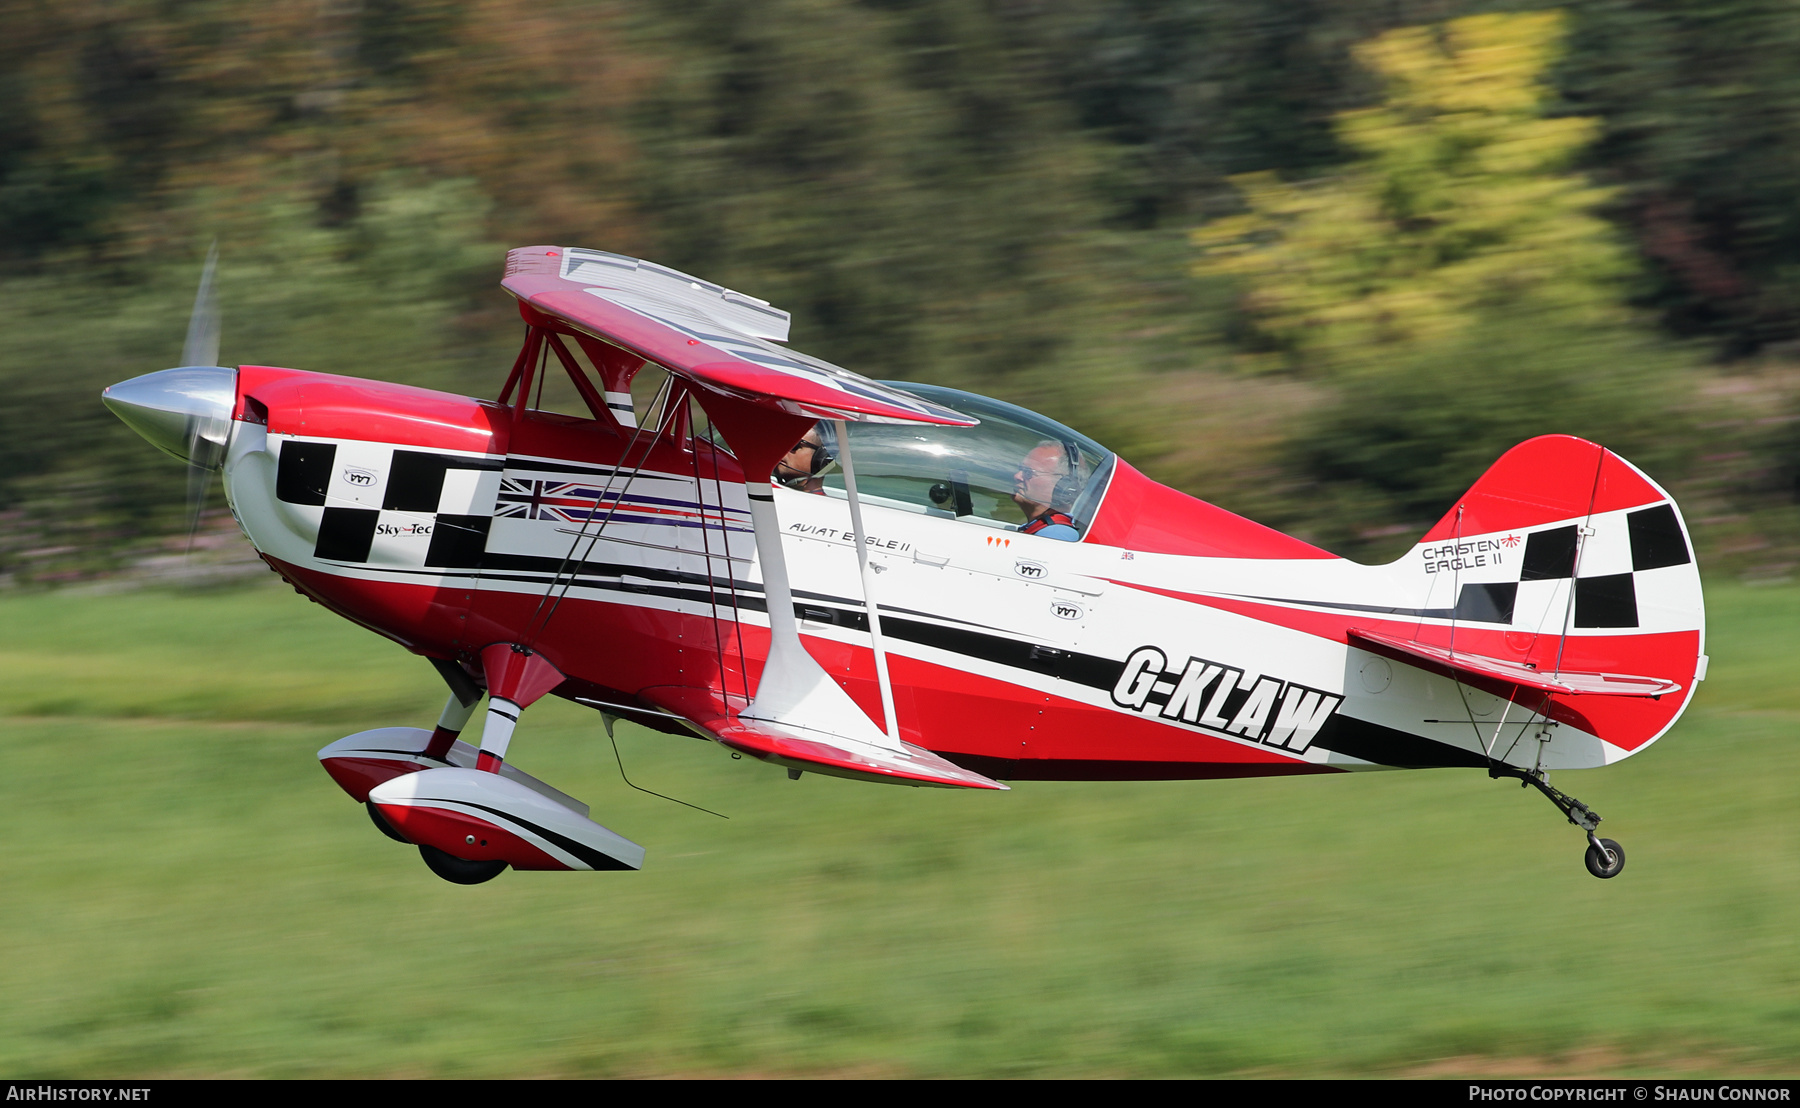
(1604, 858)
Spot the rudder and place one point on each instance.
(1566, 557)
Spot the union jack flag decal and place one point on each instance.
(580, 501)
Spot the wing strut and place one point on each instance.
(868, 583)
(794, 693)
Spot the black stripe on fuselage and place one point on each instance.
(1387, 746)
(1477, 603)
(1357, 738)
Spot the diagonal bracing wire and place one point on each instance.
(712, 586)
(731, 579)
(539, 616)
(1581, 537)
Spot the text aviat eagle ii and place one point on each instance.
(946, 590)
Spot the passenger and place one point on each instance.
(800, 467)
(1045, 487)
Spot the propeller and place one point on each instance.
(186, 412)
(207, 434)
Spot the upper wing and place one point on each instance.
(704, 332)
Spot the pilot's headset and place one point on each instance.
(826, 452)
(821, 456)
(1068, 485)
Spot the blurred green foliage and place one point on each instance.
(897, 175)
(1399, 442)
(1458, 207)
(990, 195)
(1701, 103)
(1453, 287)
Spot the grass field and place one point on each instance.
(188, 894)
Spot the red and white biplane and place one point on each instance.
(949, 591)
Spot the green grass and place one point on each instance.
(188, 894)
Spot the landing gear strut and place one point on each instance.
(453, 800)
(1605, 858)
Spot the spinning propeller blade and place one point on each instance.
(206, 436)
(202, 346)
(186, 412)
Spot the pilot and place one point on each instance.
(1044, 488)
(800, 467)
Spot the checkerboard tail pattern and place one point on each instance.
(1607, 599)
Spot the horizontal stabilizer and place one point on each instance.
(815, 751)
(1485, 670)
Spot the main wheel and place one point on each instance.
(382, 825)
(458, 870)
(1600, 865)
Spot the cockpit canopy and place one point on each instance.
(972, 473)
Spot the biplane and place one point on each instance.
(897, 582)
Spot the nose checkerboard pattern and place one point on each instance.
(382, 505)
(387, 505)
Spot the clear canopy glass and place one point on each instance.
(975, 474)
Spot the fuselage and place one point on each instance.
(1176, 640)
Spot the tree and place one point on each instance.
(1460, 206)
(914, 210)
(1455, 286)
(1702, 139)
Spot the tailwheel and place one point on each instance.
(458, 870)
(383, 826)
(1605, 858)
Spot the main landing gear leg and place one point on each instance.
(450, 724)
(471, 825)
(496, 733)
(1605, 858)
(464, 695)
(516, 678)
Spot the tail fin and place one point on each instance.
(1564, 558)
(1549, 479)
